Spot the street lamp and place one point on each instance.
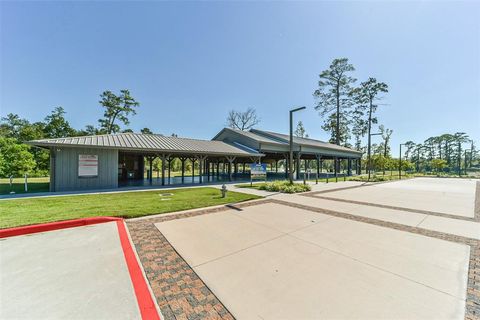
(400, 162)
(370, 151)
(465, 160)
(290, 162)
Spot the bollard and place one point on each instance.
(224, 191)
(26, 183)
(11, 185)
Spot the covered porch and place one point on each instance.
(149, 169)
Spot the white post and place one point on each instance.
(26, 183)
(11, 184)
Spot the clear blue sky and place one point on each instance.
(188, 63)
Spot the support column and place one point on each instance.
(318, 167)
(150, 165)
(305, 164)
(297, 165)
(286, 166)
(349, 167)
(169, 161)
(182, 160)
(276, 166)
(201, 161)
(192, 160)
(213, 169)
(163, 157)
(335, 165)
(207, 167)
(230, 162)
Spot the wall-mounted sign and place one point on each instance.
(87, 165)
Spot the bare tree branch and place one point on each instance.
(242, 120)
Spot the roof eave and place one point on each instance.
(67, 145)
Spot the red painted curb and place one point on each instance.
(144, 298)
(18, 231)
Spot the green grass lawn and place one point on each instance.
(34, 185)
(18, 212)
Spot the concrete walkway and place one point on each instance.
(76, 273)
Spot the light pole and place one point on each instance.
(465, 161)
(400, 162)
(290, 162)
(370, 151)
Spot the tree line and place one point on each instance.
(444, 153)
(17, 158)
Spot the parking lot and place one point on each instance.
(301, 256)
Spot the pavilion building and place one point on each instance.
(117, 160)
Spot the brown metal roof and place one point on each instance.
(149, 143)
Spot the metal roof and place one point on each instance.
(149, 143)
(252, 135)
(303, 141)
(283, 140)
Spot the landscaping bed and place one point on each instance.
(278, 186)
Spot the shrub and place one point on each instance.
(285, 187)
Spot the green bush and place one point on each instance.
(285, 187)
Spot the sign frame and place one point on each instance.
(258, 170)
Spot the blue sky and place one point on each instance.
(188, 63)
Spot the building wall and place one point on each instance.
(65, 165)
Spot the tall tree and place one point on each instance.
(117, 108)
(243, 120)
(16, 158)
(300, 130)
(359, 128)
(334, 99)
(56, 126)
(386, 134)
(460, 138)
(366, 97)
(11, 125)
(146, 131)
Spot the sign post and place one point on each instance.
(258, 171)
